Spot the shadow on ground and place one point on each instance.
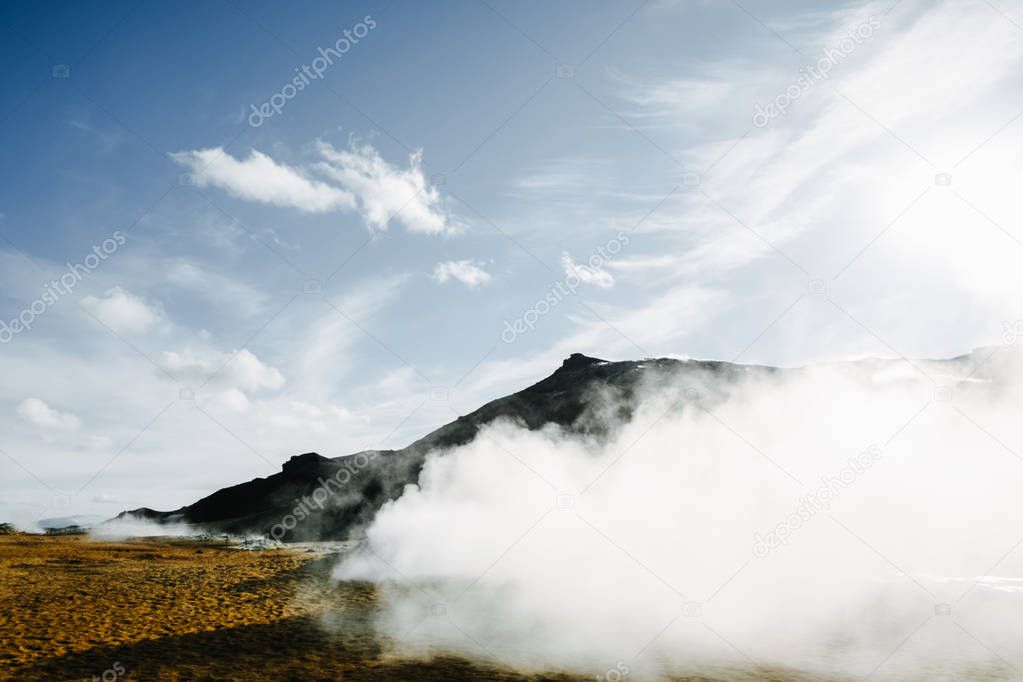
(291, 649)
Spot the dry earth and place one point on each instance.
(74, 608)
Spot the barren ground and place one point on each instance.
(179, 610)
(74, 608)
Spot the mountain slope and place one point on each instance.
(320, 498)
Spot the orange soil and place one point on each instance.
(75, 608)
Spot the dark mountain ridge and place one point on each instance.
(320, 498)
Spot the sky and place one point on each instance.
(233, 232)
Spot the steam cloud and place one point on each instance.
(643, 550)
(123, 529)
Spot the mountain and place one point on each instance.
(319, 498)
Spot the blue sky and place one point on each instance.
(339, 276)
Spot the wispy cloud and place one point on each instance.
(595, 276)
(386, 192)
(465, 271)
(123, 311)
(361, 181)
(38, 413)
(238, 369)
(260, 178)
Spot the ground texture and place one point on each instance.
(74, 608)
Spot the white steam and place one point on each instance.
(126, 528)
(544, 550)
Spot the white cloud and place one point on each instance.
(243, 371)
(365, 183)
(122, 311)
(229, 400)
(595, 276)
(301, 416)
(386, 192)
(643, 263)
(260, 178)
(465, 271)
(252, 374)
(106, 498)
(851, 158)
(38, 413)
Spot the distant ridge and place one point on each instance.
(579, 361)
(358, 485)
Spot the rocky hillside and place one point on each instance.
(320, 498)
